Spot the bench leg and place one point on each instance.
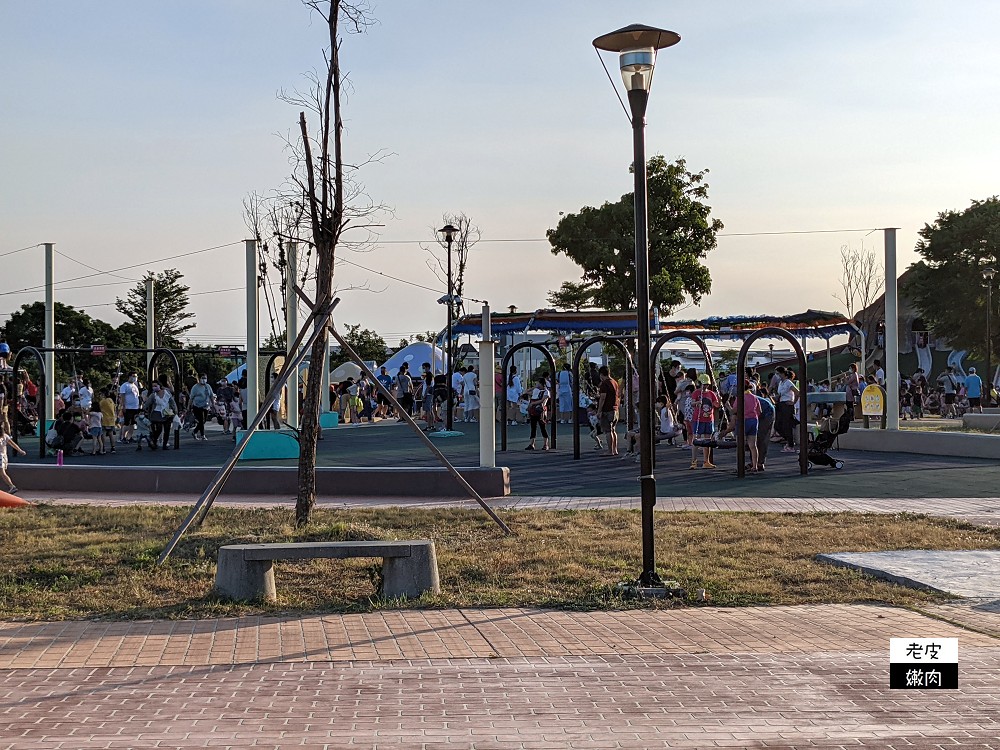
(411, 576)
(236, 578)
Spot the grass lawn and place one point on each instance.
(68, 562)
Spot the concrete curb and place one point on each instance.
(927, 443)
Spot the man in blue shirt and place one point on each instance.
(974, 390)
(383, 403)
(765, 423)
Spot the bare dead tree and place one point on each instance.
(862, 280)
(466, 238)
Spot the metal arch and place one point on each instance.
(741, 438)
(629, 367)
(151, 369)
(654, 356)
(504, 365)
(40, 398)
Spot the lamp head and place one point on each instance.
(636, 46)
(989, 272)
(448, 232)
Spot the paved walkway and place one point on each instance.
(783, 677)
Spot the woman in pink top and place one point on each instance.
(751, 415)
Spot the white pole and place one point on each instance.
(150, 321)
(291, 331)
(829, 364)
(253, 333)
(50, 338)
(891, 332)
(487, 407)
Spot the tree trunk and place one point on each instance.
(309, 434)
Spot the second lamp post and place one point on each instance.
(448, 233)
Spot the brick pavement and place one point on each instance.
(783, 677)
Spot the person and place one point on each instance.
(236, 414)
(470, 388)
(109, 417)
(159, 409)
(595, 426)
(670, 379)
(244, 391)
(457, 391)
(5, 399)
(905, 402)
(96, 430)
(86, 394)
(404, 390)
(385, 380)
(950, 385)
(668, 428)
(514, 391)
(787, 394)
(499, 398)
(70, 433)
(974, 390)
(4, 354)
(128, 402)
(202, 398)
(226, 393)
(765, 423)
(751, 424)
(538, 408)
(705, 404)
(7, 440)
(608, 400)
(426, 399)
(592, 379)
(879, 373)
(564, 393)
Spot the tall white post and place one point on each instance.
(891, 332)
(253, 333)
(50, 337)
(487, 407)
(150, 320)
(291, 331)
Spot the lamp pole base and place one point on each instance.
(660, 590)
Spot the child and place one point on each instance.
(94, 427)
(906, 402)
(109, 417)
(6, 440)
(143, 429)
(595, 427)
(236, 415)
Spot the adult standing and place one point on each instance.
(853, 386)
(879, 373)
(948, 381)
(514, 391)
(785, 419)
(202, 398)
(607, 408)
(470, 389)
(765, 423)
(564, 393)
(751, 424)
(537, 410)
(128, 402)
(385, 380)
(404, 390)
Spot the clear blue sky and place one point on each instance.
(132, 131)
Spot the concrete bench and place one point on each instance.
(246, 571)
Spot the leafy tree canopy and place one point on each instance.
(367, 343)
(947, 284)
(170, 306)
(681, 234)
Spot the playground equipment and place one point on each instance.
(741, 363)
(505, 369)
(654, 360)
(577, 358)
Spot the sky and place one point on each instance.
(132, 132)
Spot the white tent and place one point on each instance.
(416, 354)
(345, 371)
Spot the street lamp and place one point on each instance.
(988, 273)
(636, 46)
(448, 232)
(770, 353)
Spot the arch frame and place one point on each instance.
(39, 399)
(577, 359)
(741, 438)
(505, 369)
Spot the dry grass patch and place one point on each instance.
(79, 561)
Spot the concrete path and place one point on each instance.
(969, 573)
(782, 677)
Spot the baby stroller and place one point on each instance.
(823, 434)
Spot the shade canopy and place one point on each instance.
(637, 36)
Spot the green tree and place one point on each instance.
(572, 296)
(170, 307)
(368, 344)
(681, 233)
(947, 285)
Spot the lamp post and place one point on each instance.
(770, 353)
(448, 232)
(636, 46)
(988, 273)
